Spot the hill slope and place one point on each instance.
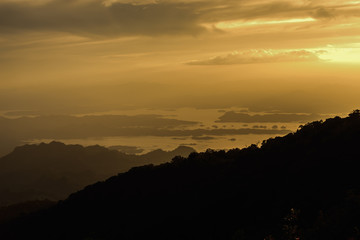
(306, 185)
(54, 170)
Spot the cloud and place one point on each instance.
(271, 117)
(260, 56)
(277, 11)
(153, 17)
(323, 13)
(94, 18)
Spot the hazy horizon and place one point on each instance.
(192, 60)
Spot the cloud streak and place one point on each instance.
(260, 56)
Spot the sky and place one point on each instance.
(82, 56)
(99, 56)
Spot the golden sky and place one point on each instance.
(79, 56)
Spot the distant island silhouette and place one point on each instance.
(21, 130)
(305, 185)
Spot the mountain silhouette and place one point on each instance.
(305, 185)
(54, 170)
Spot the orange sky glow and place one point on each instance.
(193, 60)
(86, 55)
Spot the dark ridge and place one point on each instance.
(305, 185)
(21, 209)
(54, 170)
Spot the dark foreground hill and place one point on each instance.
(54, 170)
(305, 185)
(20, 209)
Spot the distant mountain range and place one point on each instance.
(54, 170)
(305, 185)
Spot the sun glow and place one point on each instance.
(344, 55)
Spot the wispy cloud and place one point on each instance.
(154, 17)
(98, 18)
(260, 56)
